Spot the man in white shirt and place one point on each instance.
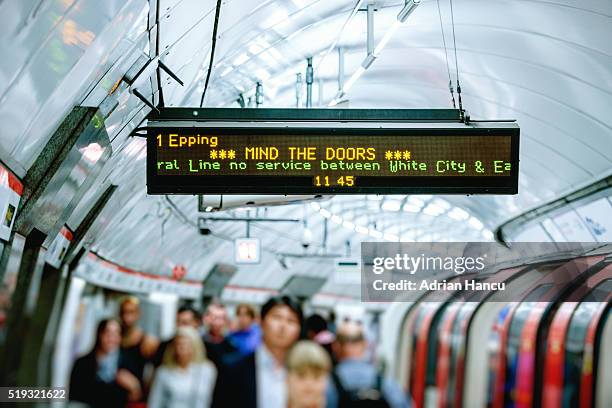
(258, 379)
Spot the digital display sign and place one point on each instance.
(226, 158)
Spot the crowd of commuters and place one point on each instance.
(275, 358)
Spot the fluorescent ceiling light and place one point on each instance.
(348, 224)
(391, 237)
(442, 204)
(262, 74)
(391, 205)
(226, 71)
(241, 59)
(336, 219)
(433, 210)
(361, 230)
(324, 213)
(475, 223)
(416, 201)
(255, 48)
(375, 234)
(458, 214)
(278, 16)
(269, 58)
(487, 235)
(412, 208)
(349, 84)
(387, 37)
(333, 102)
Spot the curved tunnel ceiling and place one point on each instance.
(547, 64)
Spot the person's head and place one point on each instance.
(215, 319)
(108, 336)
(245, 316)
(185, 348)
(331, 318)
(308, 367)
(314, 324)
(187, 316)
(281, 322)
(350, 341)
(129, 311)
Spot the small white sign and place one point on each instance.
(247, 251)
(10, 194)
(59, 246)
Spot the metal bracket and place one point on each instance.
(141, 71)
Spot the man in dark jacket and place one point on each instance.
(258, 379)
(356, 382)
(218, 346)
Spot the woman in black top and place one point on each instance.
(101, 377)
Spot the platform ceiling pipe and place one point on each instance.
(370, 19)
(259, 95)
(309, 81)
(298, 90)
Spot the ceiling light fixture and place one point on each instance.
(405, 12)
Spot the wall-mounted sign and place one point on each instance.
(179, 272)
(107, 274)
(11, 190)
(323, 157)
(247, 251)
(58, 248)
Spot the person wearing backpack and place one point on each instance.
(356, 382)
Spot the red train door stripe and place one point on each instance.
(555, 356)
(444, 354)
(420, 355)
(586, 380)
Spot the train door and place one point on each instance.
(488, 327)
(452, 348)
(571, 350)
(426, 332)
(523, 353)
(603, 391)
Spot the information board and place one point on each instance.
(264, 159)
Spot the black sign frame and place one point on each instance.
(224, 184)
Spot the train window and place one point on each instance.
(415, 334)
(457, 356)
(432, 345)
(538, 292)
(600, 293)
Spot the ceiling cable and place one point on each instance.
(450, 81)
(456, 59)
(212, 51)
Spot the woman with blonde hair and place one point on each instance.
(186, 377)
(308, 368)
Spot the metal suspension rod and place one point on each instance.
(309, 81)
